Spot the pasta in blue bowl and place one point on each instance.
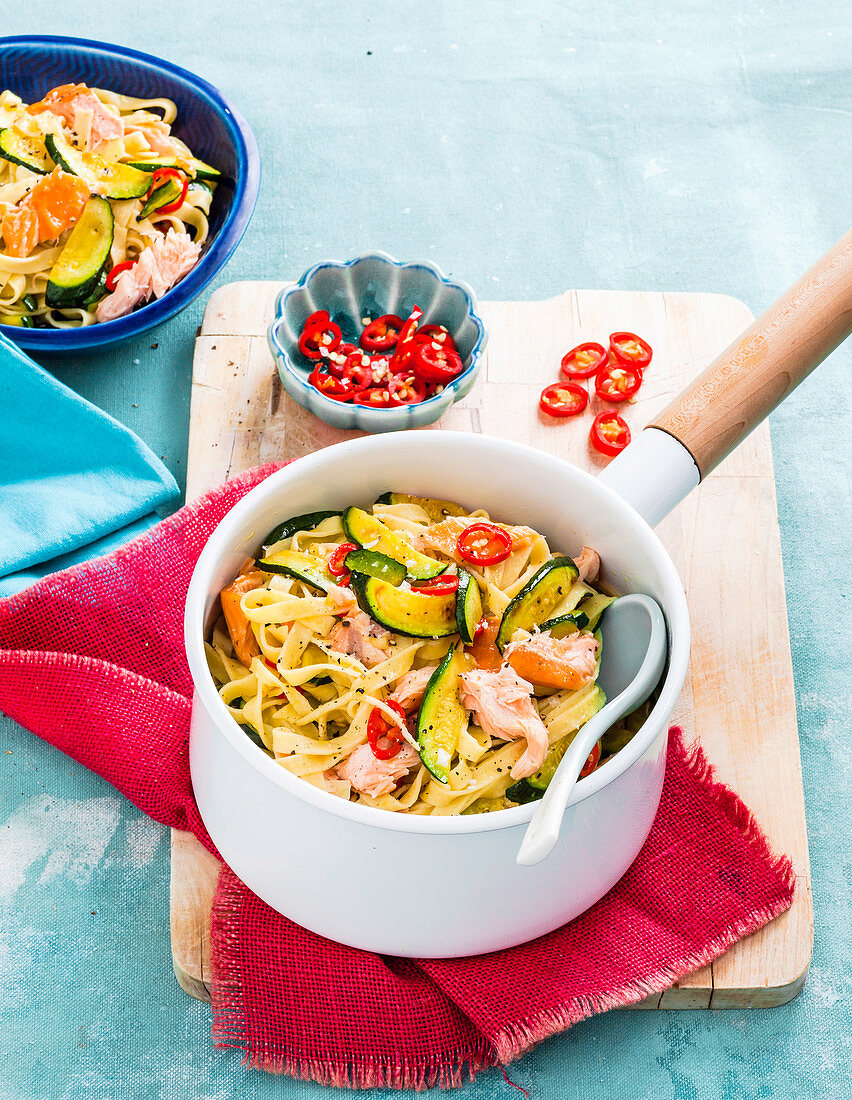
(125, 185)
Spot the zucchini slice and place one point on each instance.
(522, 793)
(202, 170)
(538, 598)
(485, 806)
(371, 534)
(435, 509)
(442, 718)
(24, 151)
(373, 564)
(151, 164)
(165, 194)
(116, 181)
(75, 274)
(415, 614)
(593, 608)
(468, 606)
(253, 735)
(98, 291)
(290, 527)
(564, 625)
(304, 567)
(615, 739)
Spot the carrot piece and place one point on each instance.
(54, 205)
(57, 99)
(483, 648)
(536, 668)
(58, 200)
(239, 627)
(556, 663)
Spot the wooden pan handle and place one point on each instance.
(740, 388)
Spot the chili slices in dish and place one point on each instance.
(395, 362)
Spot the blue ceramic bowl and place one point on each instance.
(214, 130)
(368, 286)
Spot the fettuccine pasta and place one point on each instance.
(111, 164)
(414, 656)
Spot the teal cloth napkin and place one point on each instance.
(70, 475)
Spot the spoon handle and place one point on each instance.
(543, 829)
(745, 383)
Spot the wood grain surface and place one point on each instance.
(738, 699)
(757, 371)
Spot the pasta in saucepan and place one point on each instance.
(414, 656)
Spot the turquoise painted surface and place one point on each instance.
(527, 147)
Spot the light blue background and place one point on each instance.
(528, 147)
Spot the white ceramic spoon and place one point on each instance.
(632, 658)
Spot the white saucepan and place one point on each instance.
(432, 887)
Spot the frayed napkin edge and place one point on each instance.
(514, 1040)
(229, 1026)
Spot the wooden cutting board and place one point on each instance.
(738, 699)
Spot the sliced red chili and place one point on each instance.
(439, 333)
(617, 381)
(609, 433)
(410, 326)
(563, 399)
(317, 320)
(441, 585)
(592, 761)
(319, 339)
(630, 349)
(377, 398)
(114, 272)
(328, 338)
(584, 360)
(381, 334)
(385, 738)
(403, 358)
(337, 561)
(161, 175)
(335, 361)
(357, 371)
(434, 363)
(336, 388)
(307, 347)
(173, 207)
(407, 389)
(484, 544)
(159, 178)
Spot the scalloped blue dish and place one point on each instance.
(206, 121)
(370, 285)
